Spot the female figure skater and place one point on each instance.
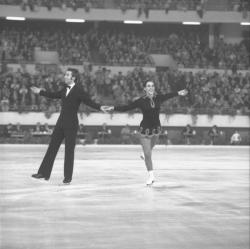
(150, 126)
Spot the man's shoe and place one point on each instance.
(66, 181)
(40, 176)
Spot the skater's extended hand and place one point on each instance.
(107, 109)
(183, 92)
(35, 89)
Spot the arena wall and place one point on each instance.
(121, 119)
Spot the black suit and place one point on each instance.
(66, 127)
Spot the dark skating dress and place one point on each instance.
(150, 107)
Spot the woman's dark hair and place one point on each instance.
(145, 83)
(75, 74)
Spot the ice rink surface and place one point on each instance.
(199, 201)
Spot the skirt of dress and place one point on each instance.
(149, 132)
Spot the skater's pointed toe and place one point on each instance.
(150, 181)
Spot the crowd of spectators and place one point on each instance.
(33, 5)
(183, 5)
(142, 6)
(240, 6)
(73, 45)
(114, 45)
(215, 92)
(209, 93)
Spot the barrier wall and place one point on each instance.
(120, 119)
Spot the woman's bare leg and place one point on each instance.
(154, 141)
(147, 149)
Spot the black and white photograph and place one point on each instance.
(124, 124)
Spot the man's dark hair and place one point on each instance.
(75, 74)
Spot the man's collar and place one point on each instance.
(71, 85)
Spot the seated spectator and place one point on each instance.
(213, 133)
(38, 128)
(104, 134)
(188, 132)
(82, 134)
(167, 6)
(163, 138)
(17, 128)
(200, 9)
(126, 135)
(47, 129)
(17, 132)
(8, 129)
(235, 138)
(41, 133)
(5, 106)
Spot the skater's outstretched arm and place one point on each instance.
(122, 108)
(51, 95)
(164, 97)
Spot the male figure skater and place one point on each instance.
(67, 124)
